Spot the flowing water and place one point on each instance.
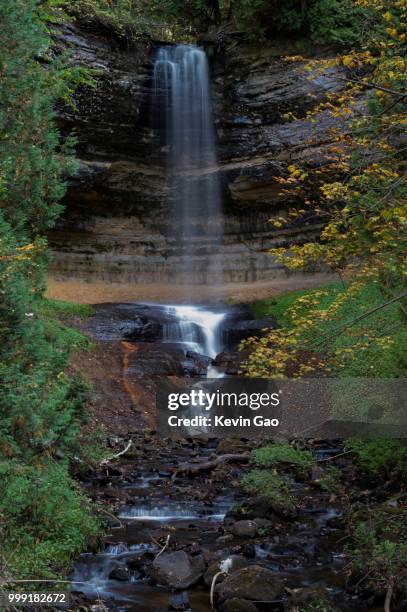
(192, 515)
(196, 328)
(182, 101)
(154, 502)
(153, 499)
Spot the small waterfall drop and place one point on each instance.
(182, 99)
(197, 328)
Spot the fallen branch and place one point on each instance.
(111, 516)
(190, 468)
(368, 84)
(344, 326)
(211, 596)
(105, 461)
(332, 457)
(389, 594)
(163, 548)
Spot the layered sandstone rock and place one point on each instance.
(117, 225)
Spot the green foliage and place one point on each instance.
(132, 20)
(337, 22)
(64, 310)
(259, 19)
(373, 346)
(270, 456)
(47, 520)
(44, 518)
(91, 449)
(377, 548)
(32, 160)
(267, 484)
(319, 605)
(279, 306)
(330, 480)
(381, 458)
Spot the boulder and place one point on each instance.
(121, 573)
(229, 361)
(244, 529)
(237, 562)
(255, 583)
(301, 598)
(262, 508)
(139, 560)
(238, 605)
(195, 364)
(177, 569)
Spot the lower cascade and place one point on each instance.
(196, 328)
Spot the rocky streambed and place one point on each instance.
(177, 511)
(176, 528)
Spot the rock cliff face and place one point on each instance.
(117, 222)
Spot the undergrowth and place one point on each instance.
(270, 456)
(266, 484)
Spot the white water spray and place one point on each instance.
(197, 328)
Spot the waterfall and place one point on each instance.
(196, 328)
(182, 101)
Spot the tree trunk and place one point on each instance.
(214, 4)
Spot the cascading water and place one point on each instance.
(195, 327)
(182, 99)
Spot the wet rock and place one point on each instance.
(95, 543)
(229, 361)
(263, 525)
(195, 364)
(145, 331)
(238, 605)
(231, 446)
(237, 562)
(336, 522)
(202, 360)
(195, 548)
(179, 601)
(157, 359)
(177, 570)
(121, 573)
(225, 539)
(253, 583)
(248, 550)
(241, 330)
(262, 508)
(139, 561)
(115, 225)
(244, 529)
(307, 596)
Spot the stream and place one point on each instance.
(173, 529)
(193, 515)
